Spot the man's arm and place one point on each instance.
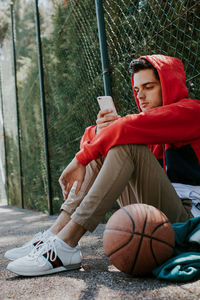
(176, 123)
(75, 172)
(104, 119)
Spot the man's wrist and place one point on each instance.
(75, 160)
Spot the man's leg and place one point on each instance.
(67, 209)
(42, 259)
(134, 163)
(73, 201)
(125, 163)
(152, 186)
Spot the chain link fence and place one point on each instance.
(73, 77)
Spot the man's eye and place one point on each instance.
(149, 87)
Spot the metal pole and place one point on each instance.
(17, 106)
(103, 47)
(42, 98)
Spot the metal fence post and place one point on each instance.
(103, 47)
(17, 106)
(42, 98)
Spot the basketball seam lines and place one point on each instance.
(139, 246)
(120, 247)
(159, 225)
(145, 235)
(151, 246)
(131, 233)
(133, 223)
(141, 239)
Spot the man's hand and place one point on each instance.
(74, 172)
(105, 118)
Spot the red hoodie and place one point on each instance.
(171, 131)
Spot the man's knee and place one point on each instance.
(129, 149)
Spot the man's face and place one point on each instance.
(148, 89)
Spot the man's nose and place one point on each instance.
(141, 94)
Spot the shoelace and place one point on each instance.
(48, 248)
(37, 238)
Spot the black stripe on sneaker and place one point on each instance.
(37, 243)
(56, 263)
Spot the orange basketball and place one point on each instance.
(138, 238)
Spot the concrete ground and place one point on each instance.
(97, 279)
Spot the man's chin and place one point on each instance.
(143, 109)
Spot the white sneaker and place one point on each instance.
(24, 250)
(47, 258)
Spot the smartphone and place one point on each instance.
(106, 102)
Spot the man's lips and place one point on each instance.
(143, 104)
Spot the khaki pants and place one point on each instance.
(131, 174)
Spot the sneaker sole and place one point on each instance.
(51, 271)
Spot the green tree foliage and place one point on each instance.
(4, 19)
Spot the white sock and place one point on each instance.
(49, 233)
(63, 244)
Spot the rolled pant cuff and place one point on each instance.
(67, 209)
(87, 224)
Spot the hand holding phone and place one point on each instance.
(107, 114)
(106, 103)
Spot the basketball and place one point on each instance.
(137, 238)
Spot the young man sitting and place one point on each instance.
(135, 158)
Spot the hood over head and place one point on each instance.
(172, 78)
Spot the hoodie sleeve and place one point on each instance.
(176, 123)
(89, 134)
